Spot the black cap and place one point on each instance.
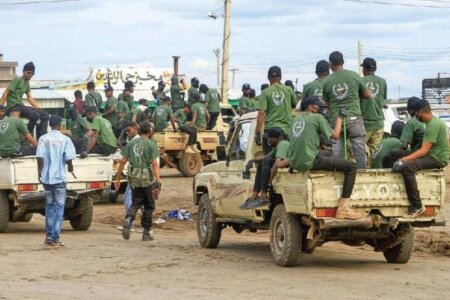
(194, 79)
(29, 67)
(369, 63)
(274, 71)
(289, 83)
(91, 109)
(109, 89)
(336, 58)
(420, 104)
(129, 84)
(264, 86)
(91, 85)
(274, 132)
(322, 67)
(246, 86)
(311, 100)
(410, 105)
(54, 120)
(397, 128)
(203, 88)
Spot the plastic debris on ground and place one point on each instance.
(179, 214)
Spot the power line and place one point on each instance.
(37, 2)
(399, 4)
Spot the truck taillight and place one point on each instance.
(27, 187)
(429, 212)
(96, 185)
(326, 212)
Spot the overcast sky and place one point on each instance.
(65, 39)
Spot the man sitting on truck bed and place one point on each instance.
(183, 117)
(434, 154)
(162, 115)
(304, 154)
(388, 145)
(12, 129)
(103, 140)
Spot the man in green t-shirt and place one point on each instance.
(264, 174)
(275, 106)
(160, 93)
(372, 109)
(110, 112)
(77, 128)
(122, 111)
(12, 130)
(102, 138)
(143, 176)
(388, 145)
(244, 102)
(162, 115)
(304, 154)
(253, 101)
(13, 96)
(433, 154)
(314, 88)
(92, 98)
(176, 94)
(200, 115)
(193, 90)
(127, 94)
(342, 90)
(212, 99)
(183, 117)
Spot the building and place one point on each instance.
(7, 71)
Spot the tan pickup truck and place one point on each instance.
(301, 214)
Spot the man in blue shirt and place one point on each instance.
(54, 151)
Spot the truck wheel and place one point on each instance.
(4, 212)
(83, 221)
(208, 231)
(401, 253)
(190, 164)
(285, 237)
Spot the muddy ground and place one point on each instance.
(99, 264)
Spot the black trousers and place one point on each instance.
(142, 197)
(192, 132)
(389, 160)
(103, 149)
(213, 116)
(33, 115)
(79, 144)
(409, 170)
(263, 174)
(326, 162)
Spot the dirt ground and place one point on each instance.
(99, 264)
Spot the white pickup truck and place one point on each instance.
(301, 214)
(21, 193)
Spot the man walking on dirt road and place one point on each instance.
(53, 153)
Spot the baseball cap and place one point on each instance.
(322, 66)
(397, 128)
(246, 86)
(109, 89)
(369, 63)
(312, 100)
(274, 71)
(90, 109)
(129, 84)
(420, 104)
(410, 104)
(54, 120)
(336, 58)
(274, 132)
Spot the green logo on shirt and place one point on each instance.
(3, 127)
(159, 111)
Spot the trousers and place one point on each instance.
(192, 132)
(213, 116)
(55, 200)
(262, 175)
(142, 197)
(33, 115)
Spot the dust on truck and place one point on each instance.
(301, 214)
(22, 195)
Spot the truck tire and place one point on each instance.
(285, 237)
(4, 212)
(83, 221)
(208, 230)
(190, 164)
(401, 253)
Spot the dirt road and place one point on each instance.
(100, 264)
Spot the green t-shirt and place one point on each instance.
(244, 103)
(129, 100)
(212, 97)
(113, 117)
(177, 100)
(277, 101)
(313, 88)
(200, 122)
(160, 95)
(436, 133)
(93, 99)
(140, 152)
(78, 127)
(17, 87)
(122, 109)
(372, 109)
(281, 151)
(191, 92)
(181, 117)
(342, 89)
(11, 130)
(305, 140)
(105, 134)
(253, 104)
(162, 116)
(413, 133)
(140, 116)
(383, 150)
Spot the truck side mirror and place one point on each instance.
(221, 153)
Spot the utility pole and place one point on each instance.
(217, 53)
(359, 58)
(232, 78)
(226, 50)
(398, 92)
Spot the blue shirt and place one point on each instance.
(55, 149)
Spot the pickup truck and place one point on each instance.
(21, 193)
(301, 214)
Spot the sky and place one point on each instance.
(409, 41)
